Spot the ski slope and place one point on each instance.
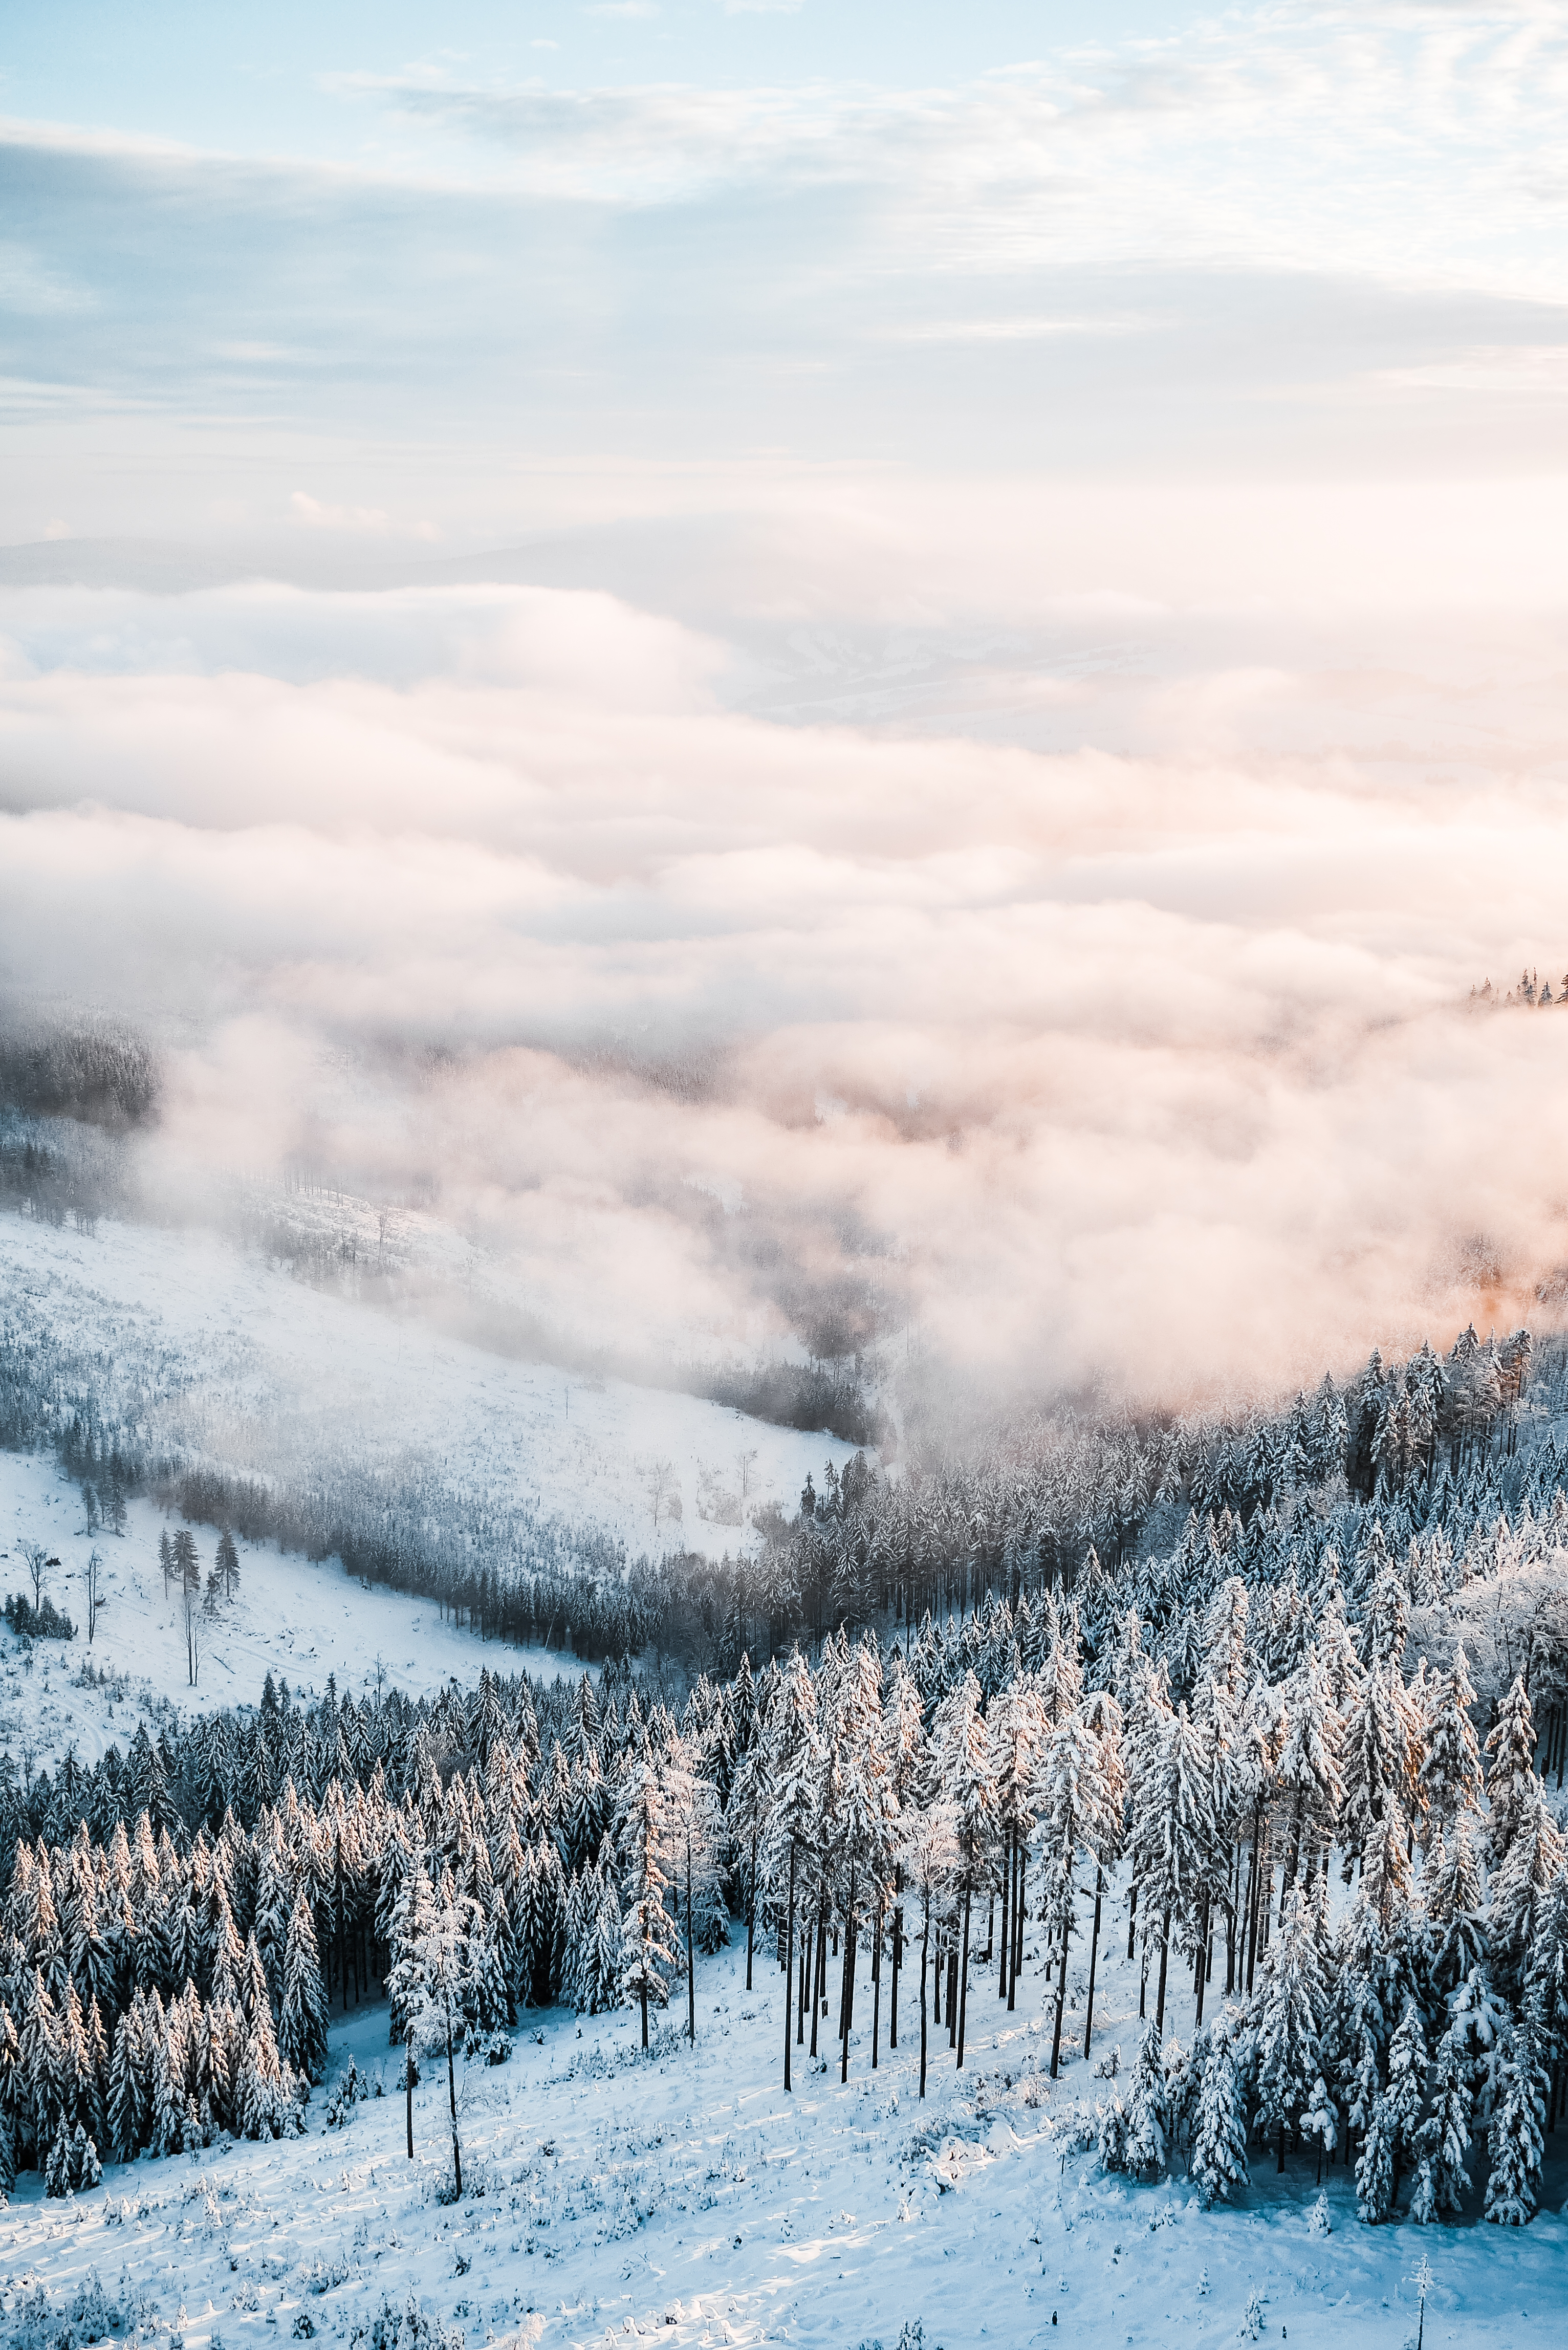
(683, 2198)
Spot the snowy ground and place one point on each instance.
(263, 1373)
(683, 2196)
(289, 1617)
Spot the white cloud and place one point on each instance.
(1147, 1061)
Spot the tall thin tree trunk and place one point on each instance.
(751, 1914)
(789, 1964)
(1202, 1961)
(898, 1963)
(877, 1987)
(451, 2097)
(409, 2084)
(1007, 1919)
(1132, 1919)
(1061, 2007)
(691, 1960)
(1164, 1960)
(1018, 1916)
(1094, 1956)
(963, 1979)
(924, 1948)
(848, 1994)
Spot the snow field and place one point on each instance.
(298, 1620)
(682, 2197)
(264, 1374)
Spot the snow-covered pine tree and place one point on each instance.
(963, 1765)
(1516, 2142)
(1523, 1882)
(1147, 2149)
(302, 2011)
(1511, 1771)
(1442, 2140)
(1219, 2159)
(1450, 1771)
(647, 1947)
(1407, 2092)
(1292, 2004)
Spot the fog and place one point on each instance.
(1087, 1002)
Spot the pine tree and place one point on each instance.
(227, 1565)
(1512, 1770)
(1147, 2144)
(1406, 2094)
(1219, 2161)
(647, 1939)
(302, 2014)
(1443, 2139)
(1524, 1880)
(1290, 2022)
(1374, 2165)
(1517, 2144)
(1450, 1772)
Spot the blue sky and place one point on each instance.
(324, 255)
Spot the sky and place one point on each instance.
(871, 670)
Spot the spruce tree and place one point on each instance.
(1442, 2141)
(1516, 2143)
(302, 2011)
(1219, 2159)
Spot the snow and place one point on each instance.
(226, 1353)
(683, 2196)
(297, 1620)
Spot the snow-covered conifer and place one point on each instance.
(301, 2012)
(1218, 2158)
(1510, 1772)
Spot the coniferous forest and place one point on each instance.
(1281, 1705)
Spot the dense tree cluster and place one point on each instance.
(1532, 994)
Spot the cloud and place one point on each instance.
(1147, 1063)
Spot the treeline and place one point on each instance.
(99, 1076)
(1452, 1443)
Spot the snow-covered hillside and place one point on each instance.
(683, 2197)
(294, 1618)
(225, 1354)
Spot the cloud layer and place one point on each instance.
(1146, 1061)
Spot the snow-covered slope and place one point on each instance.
(229, 1356)
(683, 2198)
(289, 1616)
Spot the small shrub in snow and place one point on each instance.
(346, 2092)
(73, 2163)
(92, 2316)
(409, 2328)
(1319, 2223)
(1252, 2326)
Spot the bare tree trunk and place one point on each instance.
(964, 1978)
(752, 1913)
(691, 1960)
(1164, 1961)
(1093, 1958)
(925, 1948)
(789, 1965)
(409, 2084)
(1061, 2006)
(452, 2099)
(877, 1988)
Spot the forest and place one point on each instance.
(1303, 1759)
